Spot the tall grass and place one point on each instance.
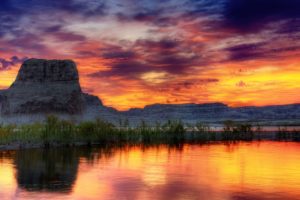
(287, 135)
(54, 131)
(62, 132)
(201, 132)
(237, 131)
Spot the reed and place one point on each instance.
(62, 132)
(284, 134)
(237, 131)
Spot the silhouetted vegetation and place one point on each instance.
(201, 132)
(237, 131)
(55, 131)
(62, 132)
(283, 134)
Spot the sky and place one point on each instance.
(132, 53)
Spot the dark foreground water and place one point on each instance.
(256, 170)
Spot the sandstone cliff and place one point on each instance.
(46, 86)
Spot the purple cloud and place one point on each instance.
(7, 63)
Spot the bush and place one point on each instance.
(237, 131)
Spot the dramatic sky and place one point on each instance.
(136, 52)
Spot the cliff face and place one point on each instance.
(45, 86)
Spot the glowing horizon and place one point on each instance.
(136, 53)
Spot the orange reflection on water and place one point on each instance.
(256, 170)
(7, 181)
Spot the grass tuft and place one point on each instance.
(63, 132)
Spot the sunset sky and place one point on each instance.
(132, 53)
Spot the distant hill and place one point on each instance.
(217, 113)
(44, 87)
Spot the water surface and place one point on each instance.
(256, 170)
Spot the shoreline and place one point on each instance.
(262, 136)
(55, 132)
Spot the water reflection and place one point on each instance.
(256, 170)
(51, 170)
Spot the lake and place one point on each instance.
(245, 170)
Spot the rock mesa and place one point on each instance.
(45, 86)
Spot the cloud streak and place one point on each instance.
(161, 51)
(5, 64)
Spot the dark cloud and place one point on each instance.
(173, 62)
(171, 12)
(291, 26)
(172, 56)
(59, 33)
(7, 6)
(7, 63)
(294, 48)
(250, 51)
(200, 8)
(9, 25)
(128, 69)
(119, 54)
(246, 47)
(246, 55)
(162, 44)
(53, 29)
(258, 51)
(194, 25)
(158, 13)
(12, 13)
(29, 43)
(165, 55)
(87, 8)
(155, 17)
(87, 54)
(68, 36)
(253, 15)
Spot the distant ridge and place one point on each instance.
(218, 112)
(215, 104)
(44, 87)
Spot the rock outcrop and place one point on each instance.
(45, 86)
